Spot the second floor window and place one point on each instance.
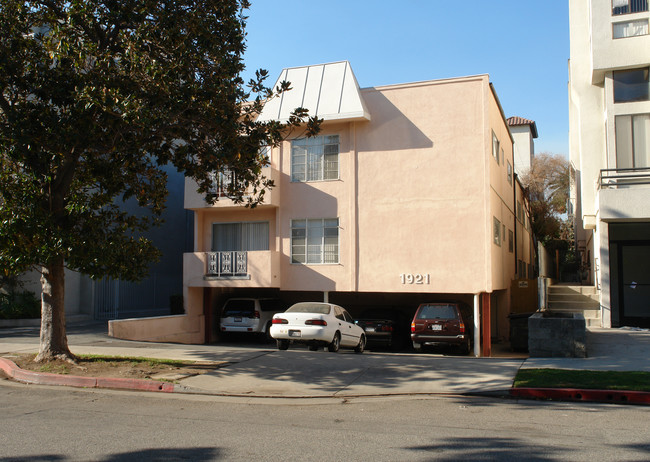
(495, 147)
(315, 241)
(241, 236)
(315, 159)
(626, 29)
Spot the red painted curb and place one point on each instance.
(44, 378)
(574, 394)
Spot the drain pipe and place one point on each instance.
(477, 326)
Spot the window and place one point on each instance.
(630, 28)
(509, 172)
(631, 85)
(629, 6)
(265, 153)
(315, 241)
(497, 232)
(511, 241)
(246, 236)
(633, 141)
(314, 159)
(495, 147)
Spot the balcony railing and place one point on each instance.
(628, 6)
(624, 177)
(226, 264)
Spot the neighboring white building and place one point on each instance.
(609, 138)
(523, 132)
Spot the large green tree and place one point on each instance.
(96, 96)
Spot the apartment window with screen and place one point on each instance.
(497, 232)
(315, 241)
(633, 141)
(495, 147)
(511, 241)
(633, 28)
(631, 85)
(315, 158)
(245, 236)
(629, 6)
(509, 172)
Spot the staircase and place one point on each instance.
(576, 299)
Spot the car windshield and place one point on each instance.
(438, 312)
(319, 308)
(238, 308)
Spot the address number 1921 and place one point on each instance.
(409, 278)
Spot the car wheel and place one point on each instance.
(417, 347)
(361, 346)
(466, 346)
(283, 344)
(267, 333)
(336, 343)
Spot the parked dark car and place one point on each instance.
(383, 327)
(443, 323)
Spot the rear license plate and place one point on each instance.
(237, 319)
(294, 333)
(435, 327)
(369, 329)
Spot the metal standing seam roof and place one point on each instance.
(329, 91)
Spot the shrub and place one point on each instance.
(19, 305)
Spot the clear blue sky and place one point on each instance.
(523, 45)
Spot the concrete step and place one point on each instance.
(569, 290)
(587, 313)
(578, 304)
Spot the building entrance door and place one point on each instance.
(634, 283)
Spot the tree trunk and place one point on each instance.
(54, 342)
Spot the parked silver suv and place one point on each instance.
(252, 315)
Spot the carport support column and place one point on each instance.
(477, 325)
(485, 324)
(326, 297)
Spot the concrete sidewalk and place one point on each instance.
(262, 371)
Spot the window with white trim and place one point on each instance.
(495, 147)
(497, 232)
(315, 158)
(315, 241)
(240, 236)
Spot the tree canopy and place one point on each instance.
(546, 185)
(95, 97)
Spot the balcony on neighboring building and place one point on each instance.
(194, 200)
(232, 269)
(624, 194)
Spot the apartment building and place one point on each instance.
(609, 109)
(407, 195)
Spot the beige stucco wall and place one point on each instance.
(422, 187)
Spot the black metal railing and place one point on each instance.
(623, 177)
(226, 264)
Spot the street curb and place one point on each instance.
(585, 395)
(45, 378)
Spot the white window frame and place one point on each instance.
(315, 158)
(310, 244)
(496, 145)
(496, 231)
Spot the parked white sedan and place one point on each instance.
(318, 325)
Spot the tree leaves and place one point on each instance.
(96, 97)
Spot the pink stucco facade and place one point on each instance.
(417, 198)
